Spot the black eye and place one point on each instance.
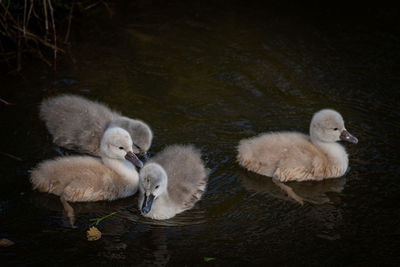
(137, 146)
(157, 186)
(121, 147)
(335, 129)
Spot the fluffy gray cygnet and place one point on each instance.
(79, 124)
(86, 178)
(291, 156)
(172, 182)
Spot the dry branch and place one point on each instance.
(25, 26)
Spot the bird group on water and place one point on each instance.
(173, 180)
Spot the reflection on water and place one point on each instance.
(126, 209)
(211, 74)
(310, 191)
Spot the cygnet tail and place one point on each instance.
(41, 178)
(245, 156)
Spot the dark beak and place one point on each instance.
(346, 136)
(133, 159)
(147, 202)
(143, 157)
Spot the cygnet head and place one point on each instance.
(142, 135)
(117, 144)
(327, 126)
(153, 181)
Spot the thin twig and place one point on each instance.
(54, 35)
(29, 13)
(35, 14)
(7, 54)
(41, 56)
(46, 22)
(96, 221)
(6, 13)
(69, 22)
(108, 8)
(5, 28)
(32, 36)
(5, 102)
(25, 5)
(18, 49)
(11, 156)
(92, 5)
(6, 58)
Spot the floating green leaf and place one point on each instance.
(206, 259)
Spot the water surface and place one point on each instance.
(210, 74)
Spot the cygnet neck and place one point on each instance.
(335, 153)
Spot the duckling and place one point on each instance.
(77, 123)
(172, 182)
(291, 156)
(84, 178)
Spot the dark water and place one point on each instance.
(212, 73)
